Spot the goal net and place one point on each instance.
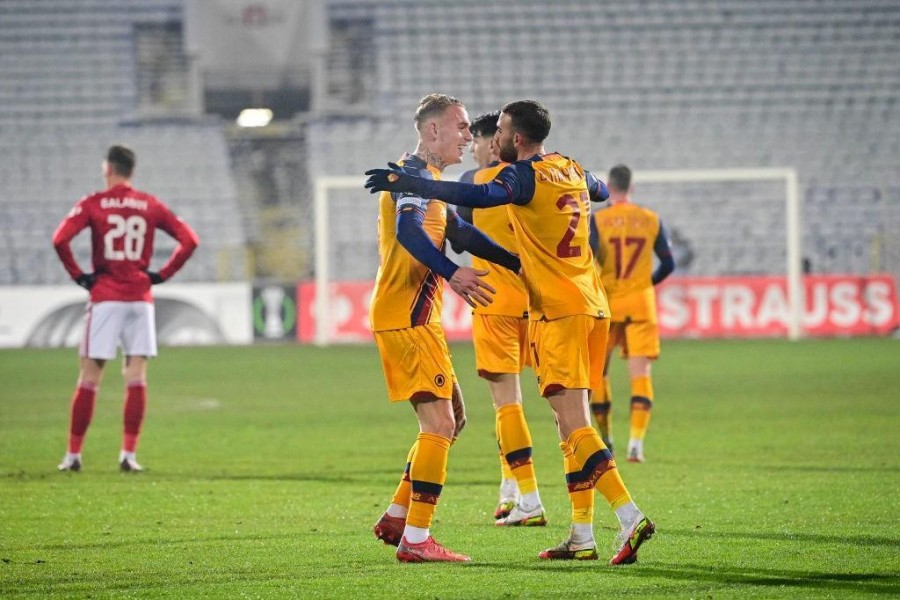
(723, 223)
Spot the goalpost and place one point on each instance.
(321, 207)
(792, 227)
(350, 189)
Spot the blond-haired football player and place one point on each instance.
(549, 195)
(627, 236)
(405, 316)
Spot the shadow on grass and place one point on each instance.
(802, 582)
(875, 583)
(856, 582)
(771, 580)
(804, 538)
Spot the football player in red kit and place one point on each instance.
(123, 222)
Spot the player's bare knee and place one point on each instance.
(435, 415)
(134, 369)
(442, 427)
(639, 366)
(90, 371)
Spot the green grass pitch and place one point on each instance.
(773, 471)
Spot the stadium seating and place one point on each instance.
(67, 91)
(656, 84)
(672, 84)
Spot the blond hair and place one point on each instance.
(433, 105)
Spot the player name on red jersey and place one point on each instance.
(126, 202)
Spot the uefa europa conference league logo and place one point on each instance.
(274, 312)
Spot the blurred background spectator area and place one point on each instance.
(656, 84)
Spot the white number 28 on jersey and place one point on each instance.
(132, 229)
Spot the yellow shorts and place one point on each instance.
(416, 362)
(636, 338)
(501, 344)
(569, 352)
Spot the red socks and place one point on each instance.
(135, 403)
(82, 412)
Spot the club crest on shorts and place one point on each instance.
(440, 380)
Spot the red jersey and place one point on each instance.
(123, 222)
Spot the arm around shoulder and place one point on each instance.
(662, 246)
(468, 237)
(395, 179)
(412, 236)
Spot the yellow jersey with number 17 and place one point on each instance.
(627, 234)
(407, 293)
(552, 231)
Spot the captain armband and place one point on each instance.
(407, 200)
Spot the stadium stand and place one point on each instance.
(656, 84)
(672, 84)
(68, 89)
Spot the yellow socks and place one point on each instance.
(598, 469)
(515, 445)
(401, 495)
(427, 473)
(505, 471)
(641, 405)
(601, 403)
(580, 495)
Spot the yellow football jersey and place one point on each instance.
(510, 299)
(627, 234)
(407, 293)
(552, 232)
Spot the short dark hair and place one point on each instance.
(485, 125)
(530, 119)
(620, 178)
(122, 160)
(432, 105)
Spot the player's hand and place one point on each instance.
(392, 179)
(86, 280)
(467, 283)
(459, 410)
(155, 277)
